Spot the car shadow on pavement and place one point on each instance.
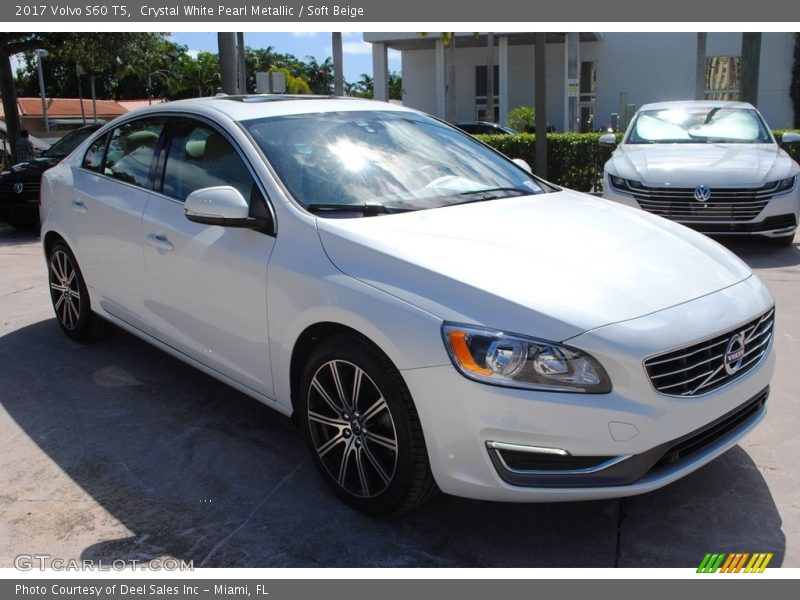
(194, 470)
(759, 253)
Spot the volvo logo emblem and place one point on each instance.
(702, 193)
(734, 354)
(18, 187)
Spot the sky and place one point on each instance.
(357, 53)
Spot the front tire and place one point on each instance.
(70, 297)
(362, 428)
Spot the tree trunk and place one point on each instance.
(450, 99)
(751, 57)
(338, 66)
(80, 93)
(490, 77)
(227, 61)
(94, 99)
(241, 64)
(700, 67)
(9, 104)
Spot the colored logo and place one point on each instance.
(702, 193)
(734, 354)
(737, 562)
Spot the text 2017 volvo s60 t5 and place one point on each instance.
(432, 315)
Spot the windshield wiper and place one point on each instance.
(367, 209)
(491, 194)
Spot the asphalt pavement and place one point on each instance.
(116, 450)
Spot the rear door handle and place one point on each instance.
(160, 241)
(79, 207)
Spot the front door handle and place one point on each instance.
(160, 241)
(79, 207)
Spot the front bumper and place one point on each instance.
(780, 217)
(462, 419)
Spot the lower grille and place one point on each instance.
(710, 364)
(769, 224)
(696, 441)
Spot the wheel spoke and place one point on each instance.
(345, 462)
(362, 475)
(378, 406)
(357, 377)
(55, 267)
(338, 383)
(61, 300)
(325, 396)
(318, 418)
(63, 266)
(65, 316)
(330, 445)
(75, 294)
(381, 440)
(58, 287)
(376, 466)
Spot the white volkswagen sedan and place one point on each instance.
(712, 166)
(431, 314)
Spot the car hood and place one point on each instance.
(551, 265)
(29, 170)
(688, 165)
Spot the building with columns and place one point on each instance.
(590, 76)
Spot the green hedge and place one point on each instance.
(574, 160)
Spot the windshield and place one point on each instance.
(698, 125)
(398, 161)
(68, 143)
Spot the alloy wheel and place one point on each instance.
(65, 289)
(352, 429)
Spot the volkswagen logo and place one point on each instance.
(18, 187)
(734, 354)
(702, 193)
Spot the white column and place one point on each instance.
(441, 86)
(571, 80)
(502, 50)
(380, 71)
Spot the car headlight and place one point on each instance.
(784, 185)
(624, 185)
(499, 358)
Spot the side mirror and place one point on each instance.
(608, 140)
(790, 137)
(220, 205)
(523, 164)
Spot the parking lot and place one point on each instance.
(118, 451)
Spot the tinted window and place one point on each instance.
(131, 150)
(69, 142)
(93, 159)
(200, 157)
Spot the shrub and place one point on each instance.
(574, 160)
(522, 118)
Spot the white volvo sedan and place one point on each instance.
(713, 166)
(432, 315)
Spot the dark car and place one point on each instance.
(19, 186)
(482, 127)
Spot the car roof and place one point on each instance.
(243, 108)
(695, 104)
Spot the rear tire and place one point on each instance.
(362, 428)
(70, 297)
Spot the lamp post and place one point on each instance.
(39, 55)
